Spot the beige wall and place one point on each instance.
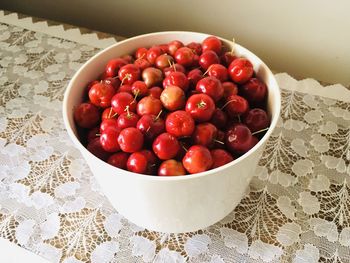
(306, 38)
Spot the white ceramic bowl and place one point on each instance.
(170, 204)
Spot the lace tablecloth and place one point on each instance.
(297, 208)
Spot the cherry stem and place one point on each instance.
(115, 114)
(158, 116)
(183, 147)
(127, 76)
(98, 134)
(233, 46)
(226, 104)
(136, 95)
(215, 140)
(201, 104)
(206, 72)
(110, 112)
(127, 111)
(149, 127)
(260, 131)
(239, 118)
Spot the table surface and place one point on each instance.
(295, 210)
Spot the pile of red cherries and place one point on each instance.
(174, 109)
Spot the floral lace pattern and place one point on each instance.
(295, 210)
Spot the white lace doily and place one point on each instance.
(296, 210)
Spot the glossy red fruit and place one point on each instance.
(96, 149)
(129, 73)
(218, 71)
(89, 85)
(113, 67)
(241, 70)
(208, 58)
(184, 56)
(173, 68)
(196, 47)
(239, 139)
(173, 46)
(155, 92)
(128, 58)
(130, 140)
(108, 113)
(197, 159)
(166, 146)
(108, 123)
(142, 63)
(137, 163)
(151, 126)
(139, 88)
(173, 98)
(176, 79)
(254, 90)
(141, 52)
(125, 88)
(115, 82)
(179, 123)
(153, 53)
(257, 120)
(152, 162)
(171, 168)
(152, 76)
(109, 140)
(219, 119)
(101, 94)
(201, 107)
(236, 105)
(164, 61)
(123, 101)
(211, 86)
(119, 160)
(212, 43)
(92, 134)
(164, 48)
(149, 105)
(204, 134)
(227, 58)
(127, 119)
(194, 76)
(220, 157)
(230, 88)
(86, 115)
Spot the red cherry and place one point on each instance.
(86, 115)
(139, 88)
(194, 76)
(128, 58)
(197, 159)
(151, 126)
(164, 61)
(130, 140)
(254, 90)
(119, 160)
(212, 43)
(171, 168)
(241, 70)
(204, 134)
(179, 124)
(208, 58)
(152, 76)
(108, 123)
(219, 119)
(211, 86)
(218, 71)
(173, 68)
(176, 79)
(149, 105)
(123, 101)
(257, 120)
(141, 52)
(196, 48)
(164, 48)
(173, 98)
(101, 94)
(129, 73)
(173, 46)
(96, 149)
(142, 63)
(220, 140)
(152, 162)
(127, 119)
(108, 139)
(153, 53)
(220, 157)
(92, 134)
(90, 84)
(125, 88)
(239, 139)
(201, 107)
(137, 163)
(108, 113)
(166, 146)
(236, 105)
(229, 88)
(184, 56)
(227, 58)
(155, 92)
(115, 82)
(113, 67)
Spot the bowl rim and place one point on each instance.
(122, 172)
